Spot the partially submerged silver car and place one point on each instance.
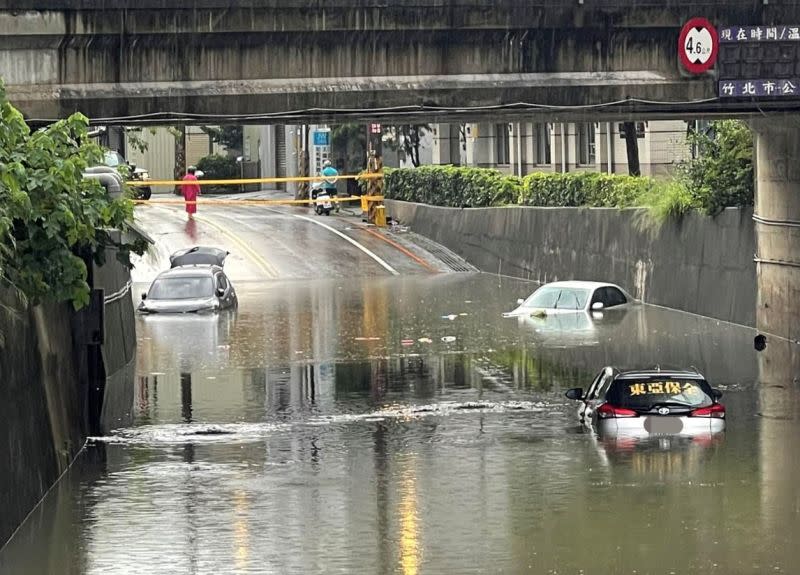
(650, 402)
(195, 283)
(569, 297)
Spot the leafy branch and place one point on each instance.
(53, 222)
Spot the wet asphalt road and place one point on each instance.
(348, 420)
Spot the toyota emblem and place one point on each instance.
(663, 410)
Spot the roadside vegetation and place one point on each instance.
(217, 167)
(53, 222)
(719, 175)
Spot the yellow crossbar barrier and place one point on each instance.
(140, 183)
(255, 202)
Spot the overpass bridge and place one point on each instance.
(292, 61)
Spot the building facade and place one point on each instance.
(522, 148)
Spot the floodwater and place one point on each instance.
(401, 425)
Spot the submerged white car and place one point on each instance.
(570, 297)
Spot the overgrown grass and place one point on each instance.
(668, 200)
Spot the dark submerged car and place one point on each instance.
(196, 282)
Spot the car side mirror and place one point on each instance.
(220, 292)
(133, 167)
(575, 393)
(520, 301)
(144, 296)
(716, 394)
(598, 305)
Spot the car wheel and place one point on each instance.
(145, 193)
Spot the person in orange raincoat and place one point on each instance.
(190, 191)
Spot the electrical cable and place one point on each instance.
(393, 110)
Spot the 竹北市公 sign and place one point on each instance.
(751, 88)
(759, 62)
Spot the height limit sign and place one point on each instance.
(698, 46)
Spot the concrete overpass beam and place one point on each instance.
(777, 214)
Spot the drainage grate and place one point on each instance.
(450, 259)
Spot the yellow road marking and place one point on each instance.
(265, 266)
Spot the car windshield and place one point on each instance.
(552, 297)
(645, 393)
(187, 287)
(112, 159)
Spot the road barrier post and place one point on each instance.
(380, 216)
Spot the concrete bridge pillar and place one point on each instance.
(777, 215)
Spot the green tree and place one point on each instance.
(407, 138)
(721, 172)
(349, 146)
(52, 220)
(229, 136)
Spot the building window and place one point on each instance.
(542, 134)
(586, 144)
(501, 142)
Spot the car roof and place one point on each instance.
(580, 284)
(191, 271)
(676, 373)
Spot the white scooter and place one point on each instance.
(322, 200)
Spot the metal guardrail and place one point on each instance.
(121, 293)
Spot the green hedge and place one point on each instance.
(452, 186)
(480, 187)
(583, 189)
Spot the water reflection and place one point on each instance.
(327, 427)
(660, 459)
(407, 510)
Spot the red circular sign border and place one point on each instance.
(689, 65)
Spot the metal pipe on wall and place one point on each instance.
(563, 150)
(609, 149)
(519, 149)
(510, 144)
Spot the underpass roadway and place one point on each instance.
(273, 241)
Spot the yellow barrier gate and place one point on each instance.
(369, 203)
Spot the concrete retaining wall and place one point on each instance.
(43, 416)
(57, 386)
(702, 265)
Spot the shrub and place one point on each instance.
(721, 174)
(724, 177)
(583, 189)
(671, 200)
(216, 167)
(476, 187)
(452, 186)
